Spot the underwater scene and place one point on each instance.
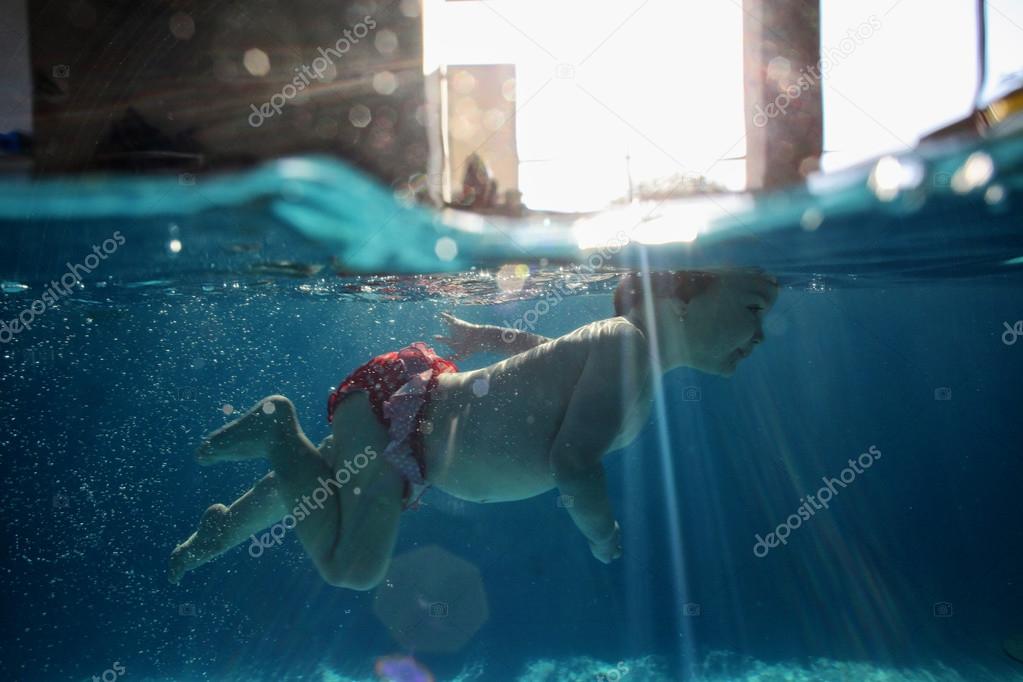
(511, 341)
(845, 507)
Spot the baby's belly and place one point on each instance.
(492, 443)
(486, 480)
(487, 455)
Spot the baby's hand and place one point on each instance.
(463, 337)
(610, 549)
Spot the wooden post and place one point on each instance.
(784, 109)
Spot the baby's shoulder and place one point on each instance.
(614, 332)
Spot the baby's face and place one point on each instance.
(724, 324)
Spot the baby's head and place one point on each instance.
(706, 319)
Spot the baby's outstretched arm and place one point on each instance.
(466, 338)
(600, 403)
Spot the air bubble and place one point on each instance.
(182, 26)
(446, 249)
(974, 174)
(812, 219)
(256, 62)
(385, 83)
(360, 116)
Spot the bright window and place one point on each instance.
(917, 73)
(659, 82)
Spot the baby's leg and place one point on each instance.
(350, 532)
(371, 500)
(221, 528)
(351, 535)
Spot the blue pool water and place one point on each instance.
(895, 328)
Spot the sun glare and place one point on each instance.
(646, 90)
(613, 95)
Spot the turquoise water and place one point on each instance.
(895, 329)
(904, 218)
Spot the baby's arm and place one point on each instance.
(508, 341)
(600, 402)
(466, 338)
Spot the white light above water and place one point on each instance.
(512, 278)
(892, 176)
(977, 172)
(658, 223)
(589, 97)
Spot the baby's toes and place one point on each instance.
(204, 453)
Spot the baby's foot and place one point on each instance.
(179, 561)
(247, 436)
(210, 451)
(201, 546)
(230, 443)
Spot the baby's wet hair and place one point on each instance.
(684, 285)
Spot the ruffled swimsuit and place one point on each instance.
(399, 385)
